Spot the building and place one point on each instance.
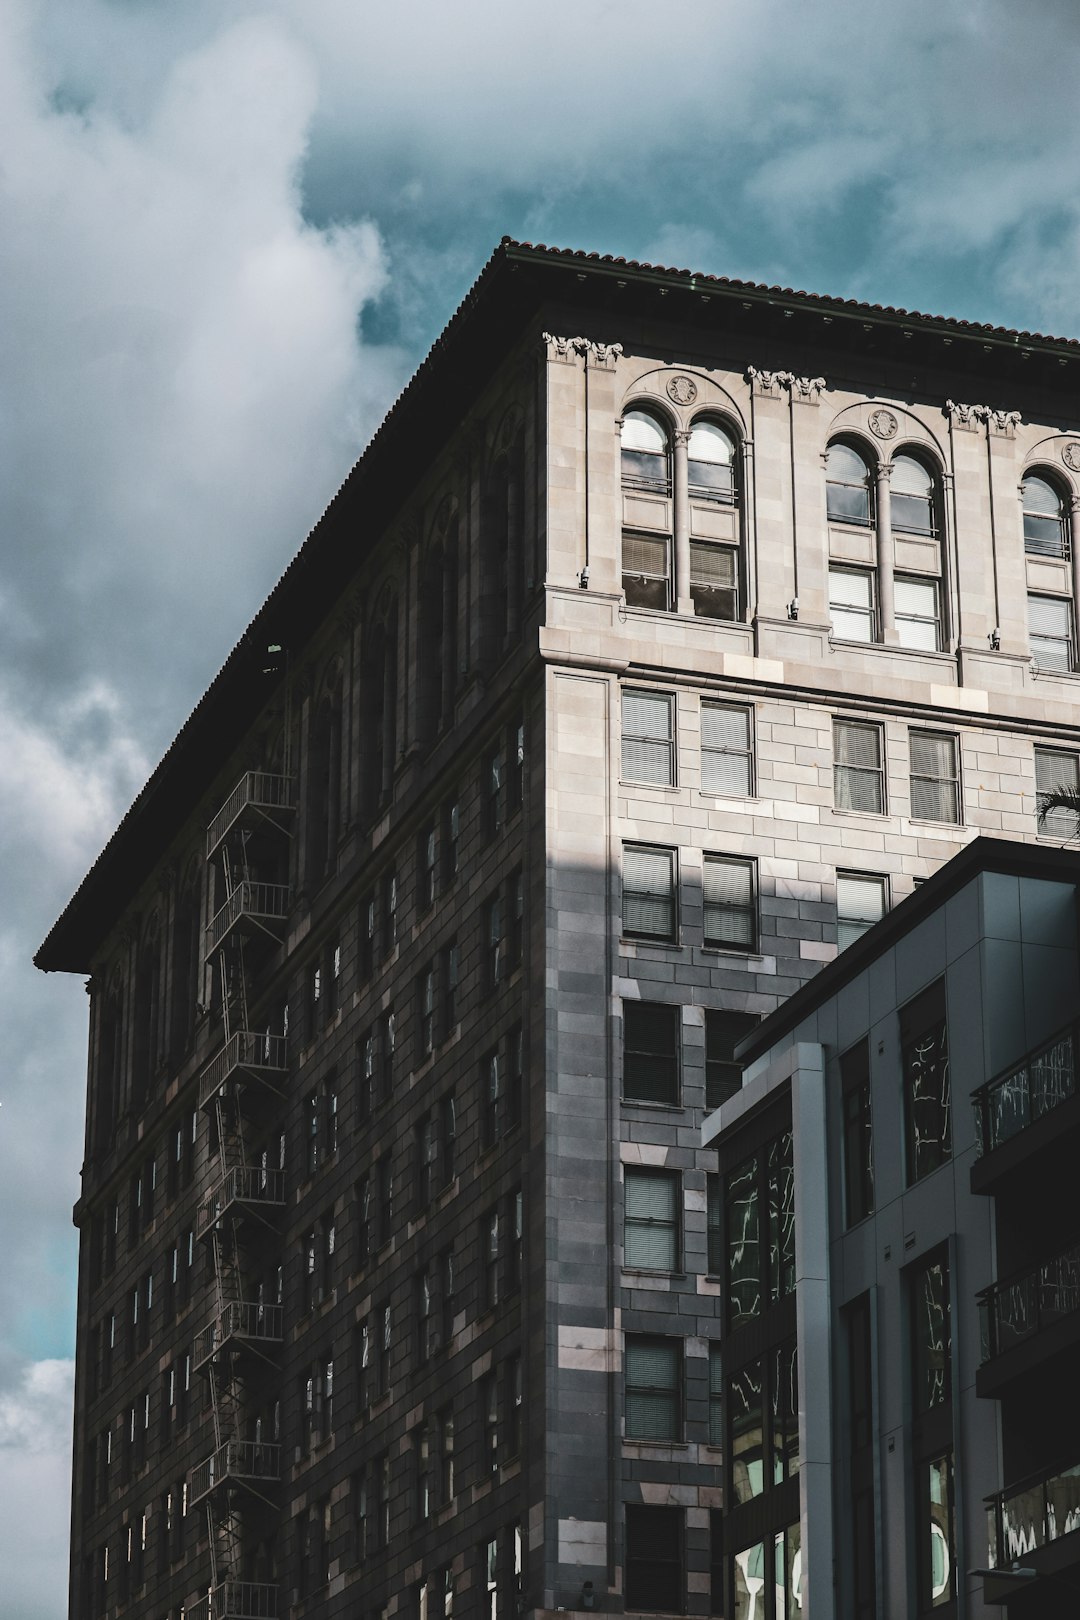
(916, 1261)
(668, 632)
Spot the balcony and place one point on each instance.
(1028, 1524)
(253, 908)
(243, 1324)
(247, 1188)
(248, 1463)
(1027, 1108)
(258, 795)
(236, 1600)
(1027, 1318)
(247, 1054)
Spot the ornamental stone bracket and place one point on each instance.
(569, 349)
(771, 385)
(1002, 424)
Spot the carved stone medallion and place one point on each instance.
(883, 424)
(683, 390)
(1070, 455)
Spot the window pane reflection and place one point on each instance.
(745, 1417)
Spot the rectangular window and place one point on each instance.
(723, 1032)
(851, 604)
(494, 942)
(489, 1419)
(931, 1334)
(858, 781)
(390, 917)
(451, 842)
(515, 786)
(1050, 631)
(918, 613)
(386, 1043)
(759, 1220)
(716, 1396)
(447, 1469)
(646, 571)
(936, 1529)
(924, 1053)
(654, 1558)
(858, 1144)
(860, 1414)
(491, 1086)
(648, 749)
(495, 789)
(513, 1406)
(651, 1220)
(648, 892)
(368, 935)
(1057, 773)
(727, 751)
(515, 896)
(385, 1182)
(730, 903)
(425, 1006)
(426, 864)
(714, 1229)
(651, 1037)
(714, 581)
(652, 1388)
(861, 900)
(935, 785)
(451, 972)
(489, 1252)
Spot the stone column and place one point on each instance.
(886, 608)
(683, 601)
(1074, 551)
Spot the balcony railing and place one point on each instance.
(263, 905)
(247, 1052)
(245, 1185)
(1032, 1514)
(1012, 1101)
(236, 1600)
(1021, 1306)
(242, 1321)
(263, 791)
(237, 1462)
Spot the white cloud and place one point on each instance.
(35, 1465)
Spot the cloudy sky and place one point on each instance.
(228, 233)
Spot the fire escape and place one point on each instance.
(242, 1091)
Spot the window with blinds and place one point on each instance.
(858, 782)
(651, 1033)
(723, 1032)
(730, 903)
(935, 786)
(652, 1382)
(851, 604)
(648, 753)
(860, 903)
(646, 571)
(651, 1220)
(918, 613)
(1050, 631)
(648, 892)
(727, 750)
(1057, 772)
(714, 581)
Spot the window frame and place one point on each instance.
(711, 751)
(712, 860)
(904, 577)
(641, 1020)
(639, 897)
(920, 1017)
(1049, 828)
(1062, 548)
(1068, 641)
(840, 724)
(639, 1396)
(846, 519)
(923, 776)
(635, 1221)
(869, 613)
(861, 926)
(647, 739)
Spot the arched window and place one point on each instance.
(646, 458)
(184, 988)
(848, 484)
(324, 786)
(380, 708)
(1046, 524)
(147, 1019)
(711, 463)
(912, 491)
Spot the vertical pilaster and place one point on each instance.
(684, 602)
(886, 594)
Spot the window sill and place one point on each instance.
(862, 815)
(920, 821)
(653, 1444)
(672, 789)
(654, 1107)
(648, 1271)
(650, 939)
(754, 955)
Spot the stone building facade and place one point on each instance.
(669, 630)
